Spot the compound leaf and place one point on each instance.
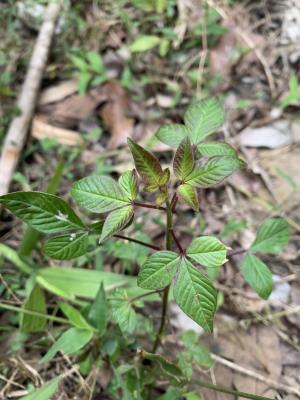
(69, 342)
(211, 149)
(146, 163)
(116, 221)
(258, 275)
(272, 236)
(214, 171)
(99, 194)
(184, 162)
(67, 247)
(128, 182)
(158, 270)
(42, 211)
(189, 194)
(195, 295)
(207, 251)
(203, 117)
(172, 134)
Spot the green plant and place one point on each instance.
(186, 273)
(293, 97)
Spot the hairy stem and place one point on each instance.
(146, 205)
(224, 389)
(151, 246)
(160, 331)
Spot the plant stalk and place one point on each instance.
(224, 389)
(169, 238)
(151, 246)
(146, 205)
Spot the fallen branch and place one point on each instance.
(18, 129)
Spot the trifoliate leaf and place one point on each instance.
(128, 182)
(207, 251)
(42, 211)
(195, 295)
(172, 134)
(203, 117)
(67, 247)
(183, 163)
(272, 236)
(158, 270)
(146, 163)
(258, 275)
(189, 195)
(214, 171)
(99, 194)
(211, 149)
(116, 221)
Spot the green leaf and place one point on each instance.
(165, 177)
(211, 149)
(35, 302)
(144, 43)
(116, 221)
(214, 171)
(207, 251)
(42, 211)
(203, 117)
(202, 356)
(147, 164)
(183, 163)
(98, 315)
(79, 63)
(168, 368)
(95, 61)
(81, 282)
(11, 255)
(172, 134)
(67, 247)
(74, 316)
(189, 195)
(258, 275)
(69, 342)
(123, 312)
(45, 392)
(83, 83)
(158, 270)
(99, 194)
(128, 182)
(97, 226)
(195, 295)
(272, 236)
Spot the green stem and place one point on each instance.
(224, 389)
(169, 238)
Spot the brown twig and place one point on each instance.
(151, 246)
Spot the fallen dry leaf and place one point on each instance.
(57, 92)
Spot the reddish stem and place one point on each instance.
(174, 203)
(236, 252)
(146, 205)
(181, 251)
(151, 246)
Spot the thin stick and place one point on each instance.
(151, 246)
(255, 375)
(181, 251)
(236, 252)
(146, 205)
(17, 131)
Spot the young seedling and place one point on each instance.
(187, 271)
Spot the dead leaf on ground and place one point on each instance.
(58, 92)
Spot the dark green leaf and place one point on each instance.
(189, 195)
(35, 302)
(116, 221)
(258, 275)
(146, 164)
(74, 316)
(203, 117)
(272, 236)
(99, 194)
(214, 171)
(128, 182)
(98, 312)
(67, 247)
(97, 226)
(195, 295)
(211, 149)
(158, 270)
(207, 251)
(184, 162)
(69, 342)
(172, 134)
(44, 212)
